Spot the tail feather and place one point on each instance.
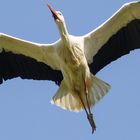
(66, 100)
(70, 101)
(97, 90)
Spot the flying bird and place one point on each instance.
(73, 61)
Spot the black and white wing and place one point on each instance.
(28, 60)
(116, 37)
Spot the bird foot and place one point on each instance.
(92, 123)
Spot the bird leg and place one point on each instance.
(86, 93)
(88, 112)
(89, 115)
(83, 104)
(91, 121)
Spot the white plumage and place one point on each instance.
(72, 61)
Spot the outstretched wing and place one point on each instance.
(28, 60)
(116, 37)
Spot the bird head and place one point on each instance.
(57, 15)
(60, 22)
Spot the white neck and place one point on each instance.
(63, 30)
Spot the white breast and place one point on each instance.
(72, 61)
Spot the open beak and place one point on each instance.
(55, 15)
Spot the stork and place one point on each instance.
(73, 61)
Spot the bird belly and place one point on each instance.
(74, 66)
(75, 74)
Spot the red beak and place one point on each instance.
(55, 15)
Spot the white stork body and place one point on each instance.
(73, 61)
(75, 70)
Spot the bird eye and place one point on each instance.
(59, 13)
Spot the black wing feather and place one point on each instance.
(16, 65)
(121, 43)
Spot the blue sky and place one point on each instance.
(25, 109)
